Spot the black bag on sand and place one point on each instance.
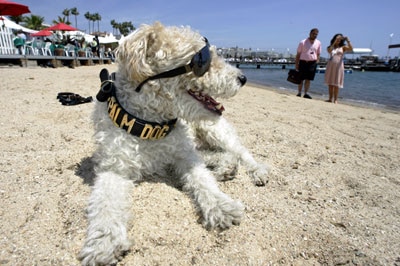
(294, 76)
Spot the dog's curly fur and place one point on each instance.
(122, 159)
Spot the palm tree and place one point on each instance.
(126, 27)
(97, 17)
(93, 19)
(33, 22)
(113, 25)
(66, 13)
(17, 19)
(88, 17)
(60, 20)
(75, 12)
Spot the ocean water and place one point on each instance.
(379, 89)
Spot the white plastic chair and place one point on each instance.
(69, 50)
(46, 49)
(89, 52)
(32, 48)
(101, 52)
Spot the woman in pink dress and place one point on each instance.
(334, 74)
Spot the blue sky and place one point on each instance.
(262, 24)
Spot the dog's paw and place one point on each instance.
(103, 250)
(224, 215)
(260, 174)
(225, 174)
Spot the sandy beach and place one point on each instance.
(333, 197)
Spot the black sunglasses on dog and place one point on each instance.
(199, 65)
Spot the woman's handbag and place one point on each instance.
(294, 76)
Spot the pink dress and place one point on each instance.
(334, 73)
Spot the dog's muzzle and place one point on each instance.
(242, 79)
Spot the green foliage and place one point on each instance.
(33, 22)
(75, 12)
(66, 13)
(17, 19)
(60, 20)
(124, 28)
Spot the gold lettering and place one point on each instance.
(116, 114)
(112, 106)
(163, 133)
(154, 132)
(146, 131)
(125, 122)
(113, 110)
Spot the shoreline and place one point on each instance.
(332, 196)
(319, 97)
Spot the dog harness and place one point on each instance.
(122, 119)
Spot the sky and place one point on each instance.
(264, 25)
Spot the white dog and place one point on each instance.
(160, 111)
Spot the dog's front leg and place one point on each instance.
(217, 208)
(108, 215)
(222, 134)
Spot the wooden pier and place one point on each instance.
(393, 65)
(258, 65)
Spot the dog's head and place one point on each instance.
(177, 70)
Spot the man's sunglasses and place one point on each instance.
(199, 65)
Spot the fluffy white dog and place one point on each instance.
(159, 117)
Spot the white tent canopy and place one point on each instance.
(109, 38)
(79, 35)
(12, 25)
(7, 36)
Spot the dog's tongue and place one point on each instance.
(207, 101)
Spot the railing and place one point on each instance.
(6, 41)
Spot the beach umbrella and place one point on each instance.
(42, 33)
(60, 26)
(8, 8)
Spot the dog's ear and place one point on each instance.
(137, 52)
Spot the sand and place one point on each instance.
(333, 197)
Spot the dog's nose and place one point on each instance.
(242, 79)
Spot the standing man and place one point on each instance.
(96, 37)
(307, 57)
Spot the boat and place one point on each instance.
(375, 67)
(348, 71)
(323, 69)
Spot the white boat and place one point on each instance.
(348, 71)
(323, 69)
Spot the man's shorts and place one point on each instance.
(307, 69)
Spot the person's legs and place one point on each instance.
(306, 87)
(300, 88)
(310, 74)
(330, 93)
(335, 93)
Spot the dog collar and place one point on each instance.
(130, 123)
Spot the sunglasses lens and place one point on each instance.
(201, 61)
